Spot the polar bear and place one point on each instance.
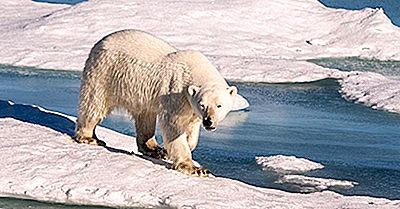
(149, 78)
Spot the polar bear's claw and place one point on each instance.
(190, 169)
(201, 172)
(92, 141)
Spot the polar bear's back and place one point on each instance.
(137, 44)
(123, 70)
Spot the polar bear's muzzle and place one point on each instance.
(208, 124)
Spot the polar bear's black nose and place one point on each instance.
(207, 122)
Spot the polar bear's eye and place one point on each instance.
(219, 106)
(202, 106)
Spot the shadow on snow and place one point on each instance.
(59, 123)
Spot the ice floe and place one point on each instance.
(42, 162)
(312, 184)
(289, 169)
(288, 164)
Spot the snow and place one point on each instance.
(39, 162)
(288, 164)
(295, 29)
(254, 41)
(276, 71)
(372, 89)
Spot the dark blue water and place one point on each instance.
(391, 7)
(310, 120)
(71, 2)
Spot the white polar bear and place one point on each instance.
(149, 78)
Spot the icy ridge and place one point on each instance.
(373, 90)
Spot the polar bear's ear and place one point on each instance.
(232, 90)
(192, 90)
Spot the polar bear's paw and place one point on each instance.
(90, 140)
(157, 153)
(190, 169)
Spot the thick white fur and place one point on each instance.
(149, 78)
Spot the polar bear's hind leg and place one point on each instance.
(92, 109)
(145, 124)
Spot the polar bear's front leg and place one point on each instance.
(193, 132)
(179, 151)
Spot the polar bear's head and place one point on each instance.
(211, 103)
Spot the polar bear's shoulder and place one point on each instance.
(201, 69)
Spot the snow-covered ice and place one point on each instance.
(294, 29)
(42, 162)
(289, 169)
(372, 89)
(311, 184)
(288, 164)
(255, 41)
